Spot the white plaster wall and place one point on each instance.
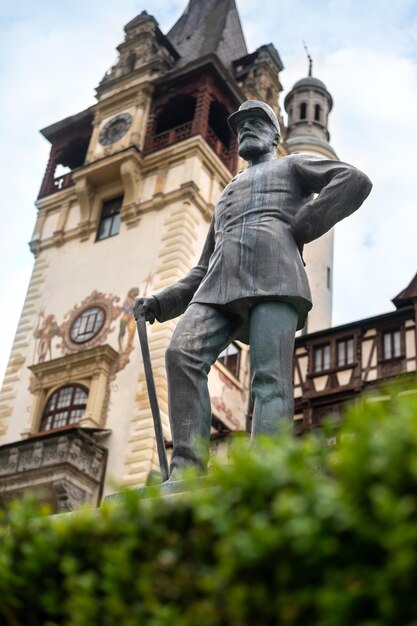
(50, 225)
(112, 266)
(175, 176)
(205, 182)
(318, 256)
(410, 343)
(148, 187)
(74, 215)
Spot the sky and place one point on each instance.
(53, 55)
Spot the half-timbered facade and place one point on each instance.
(333, 366)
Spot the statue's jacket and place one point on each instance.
(254, 245)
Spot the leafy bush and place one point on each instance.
(295, 533)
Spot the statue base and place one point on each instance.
(168, 488)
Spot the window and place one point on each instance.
(391, 344)
(317, 112)
(345, 352)
(91, 368)
(110, 218)
(65, 406)
(230, 358)
(87, 324)
(322, 358)
(303, 111)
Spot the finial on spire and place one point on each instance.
(310, 60)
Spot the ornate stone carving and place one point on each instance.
(65, 468)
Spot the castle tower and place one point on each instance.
(308, 105)
(144, 166)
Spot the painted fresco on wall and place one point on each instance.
(46, 329)
(88, 325)
(127, 324)
(127, 329)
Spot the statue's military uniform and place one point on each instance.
(250, 281)
(251, 252)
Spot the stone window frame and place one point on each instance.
(70, 411)
(322, 358)
(316, 351)
(110, 214)
(391, 331)
(89, 368)
(345, 352)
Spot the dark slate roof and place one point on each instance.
(208, 26)
(407, 295)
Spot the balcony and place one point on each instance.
(57, 184)
(184, 131)
(64, 468)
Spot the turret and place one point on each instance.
(308, 105)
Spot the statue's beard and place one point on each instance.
(250, 148)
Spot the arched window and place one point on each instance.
(317, 112)
(178, 111)
(65, 406)
(303, 110)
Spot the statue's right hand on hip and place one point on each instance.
(147, 307)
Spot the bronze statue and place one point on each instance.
(250, 283)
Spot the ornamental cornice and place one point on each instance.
(83, 364)
(55, 200)
(194, 146)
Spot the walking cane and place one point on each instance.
(153, 400)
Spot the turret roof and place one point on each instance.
(209, 26)
(407, 295)
(309, 81)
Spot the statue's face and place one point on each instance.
(255, 136)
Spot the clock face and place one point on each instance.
(115, 129)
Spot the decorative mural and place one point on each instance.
(88, 325)
(127, 324)
(46, 329)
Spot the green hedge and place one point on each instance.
(295, 533)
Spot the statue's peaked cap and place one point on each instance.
(251, 107)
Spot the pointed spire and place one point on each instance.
(310, 60)
(208, 26)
